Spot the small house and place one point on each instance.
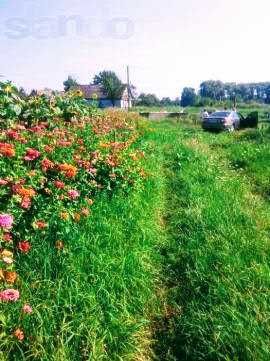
(96, 93)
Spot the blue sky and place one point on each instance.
(168, 44)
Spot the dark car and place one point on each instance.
(222, 120)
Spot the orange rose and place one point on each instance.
(69, 170)
(19, 334)
(10, 277)
(64, 216)
(77, 217)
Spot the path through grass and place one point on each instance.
(217, 256)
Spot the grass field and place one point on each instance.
(178, 268)
(216, 261)
(244, 109)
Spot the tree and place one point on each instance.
(188, 97)
(267, 94)
(148, 100)
(69, 83)
(216, 90)
(166, 101)
(112, 85)
(213, 89)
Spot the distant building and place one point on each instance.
(97, 93)
(48, 92)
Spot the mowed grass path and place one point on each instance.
(216, 262)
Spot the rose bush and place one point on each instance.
(50, 174)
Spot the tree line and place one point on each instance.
(210, 92)
(216, 90)
(151, 100)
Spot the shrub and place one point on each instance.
(35, 109)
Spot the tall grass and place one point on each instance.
(248, 153)
(92, 300)
(217, 263)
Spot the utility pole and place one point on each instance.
(128, 86)
(234, 100)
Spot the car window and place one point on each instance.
(220, 114)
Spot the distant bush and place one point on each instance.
(33, 109)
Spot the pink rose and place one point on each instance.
(7, 237)
(27, 309)
(93, 171)
(26, 203)
(31, 154)
(6, 221)
(7, 260)
(9, 295)
(3, 182)
(73, 194)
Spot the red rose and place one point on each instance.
(58, 184)
(24, 246)
(40, 224)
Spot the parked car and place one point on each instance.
(222, 120)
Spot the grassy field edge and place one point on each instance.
(216, 265)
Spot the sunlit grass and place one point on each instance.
(217, 263)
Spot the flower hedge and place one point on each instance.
(50, 174)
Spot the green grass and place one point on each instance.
(217, 262)
(248, 153)
(93, 300)
(177, 269)
(167, 108)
